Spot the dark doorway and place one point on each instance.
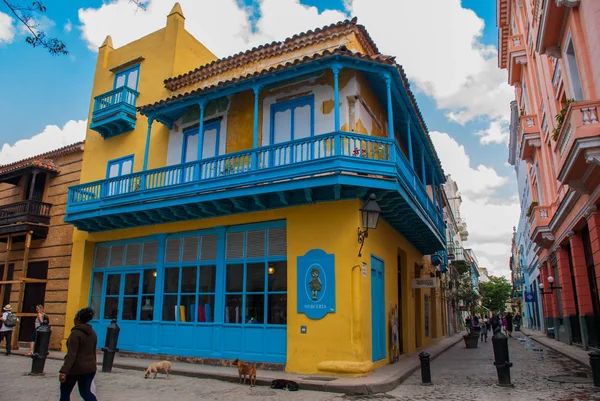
(574, 320)
(400, 339)
(35, 294)
(37, 192)
(7, 287)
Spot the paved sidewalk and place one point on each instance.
(572, 352)
(381, 380)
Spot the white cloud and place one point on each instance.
(497, 132)
(52, 137)
(7, 29)
(68, 26)
(489, 222)
(225, 30)
(439, 44)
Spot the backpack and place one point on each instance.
(11, 320)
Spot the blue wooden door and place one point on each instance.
(377, 309)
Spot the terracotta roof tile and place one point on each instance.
(43, 161)
(272, 49)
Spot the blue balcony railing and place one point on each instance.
(114, 112)
(365, 157)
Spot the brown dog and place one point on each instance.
(246, 370)
(163, 366)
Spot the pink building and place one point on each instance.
(551, 49)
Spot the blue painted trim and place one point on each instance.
(201, 130)
(119, 161)
(390, 111)
(409, 143)
(378, 311)
(292, 104)
(184, 145)
(256, 90)
(126, 72)
(147, 147)
(423, 172)
(207, 127)
(336, 68)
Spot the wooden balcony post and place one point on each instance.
(255, 132)
(336, 68)
(15, 337)
(5, 272)
(202, 106)
(147, 150)
(390, 111)
(32, 188)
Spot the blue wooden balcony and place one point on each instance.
(326, 167)
(114, 112)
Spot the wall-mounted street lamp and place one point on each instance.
(370, 217)
(552, 287)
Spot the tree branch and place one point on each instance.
(38, 37)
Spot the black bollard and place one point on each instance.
(502, 361)
(40, 350)
(110, 346)
(595, 364)
(425, 369)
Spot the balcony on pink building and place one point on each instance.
(551, 22)
(539, 219)
(529, 136)
(517, 57)
(578, 146)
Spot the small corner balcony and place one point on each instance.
(517, 57)
(529, 136)
(578, 146)
(539, 220)
(24, 216)
(327, 167)
(114, 112)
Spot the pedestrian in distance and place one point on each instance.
(80, 362)
(476, 329)
(509, 323)
(9, 321)
(484, 329)
(468, 321)
(518, 322)
(40, 319)
(495, 322)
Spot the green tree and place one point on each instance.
(495, 293)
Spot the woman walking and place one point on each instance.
(509, 324)
(80, 362)
(39, 320)
(484, 329)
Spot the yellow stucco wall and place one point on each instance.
(340, 343)
(166, 52)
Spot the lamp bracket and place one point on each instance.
(362, 235)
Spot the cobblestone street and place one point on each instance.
(469, 374)
(458, 374)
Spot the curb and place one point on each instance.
(383, 386)
(555, 349)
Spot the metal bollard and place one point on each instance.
(110, 346)
(424, 357)
(595, 364)
(502, 362)
(40, 350)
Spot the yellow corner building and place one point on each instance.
(272, 206)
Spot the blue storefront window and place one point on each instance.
(196, 293)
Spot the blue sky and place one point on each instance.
(38, 90)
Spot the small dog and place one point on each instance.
(163, 366)
(246, 370)
(282, 384)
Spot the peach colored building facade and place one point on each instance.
(551, 49)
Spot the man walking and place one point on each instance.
(9, 321)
